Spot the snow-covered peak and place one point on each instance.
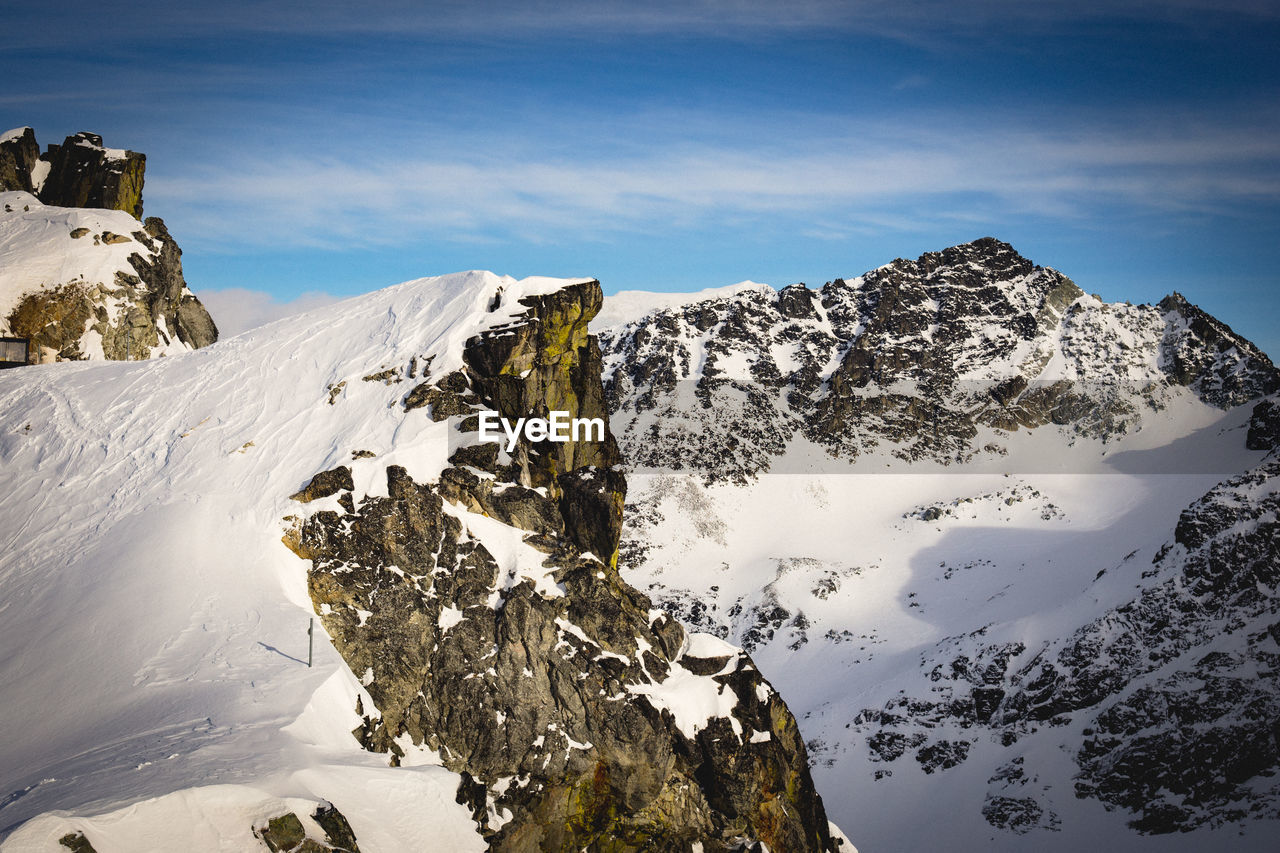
(935, 358)
(15, 133)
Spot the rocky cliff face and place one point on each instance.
(78, 173)
(579, 716)
(19, 155)
(82, 278)
(940, 358)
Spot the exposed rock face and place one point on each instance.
(140, 306)
(1264, 426)
(286, 834)
(19, 154)
(54, 319)
(136, 313)
(167, 295)
(82, 173)
(579, 717)
(921, 355)
(1174, 690)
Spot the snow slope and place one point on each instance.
(154, 626)
(847, 592)
(628, 305)
(38, 252)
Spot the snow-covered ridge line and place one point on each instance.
(143, 504)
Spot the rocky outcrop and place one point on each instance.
(579, 716)
(54, 320)
(140, 311)
(166, 293)
(1264, 426)
(77, 842)
(918, 357)
(78, 173)
(144, 307)
(286, 833)
(19, 154)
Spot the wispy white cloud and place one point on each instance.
(906, 171)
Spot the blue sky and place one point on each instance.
(301, 152)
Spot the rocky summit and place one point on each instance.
(82, 277)
(938, 359)
(578, 716)
(78, 173)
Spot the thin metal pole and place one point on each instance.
(311, 633)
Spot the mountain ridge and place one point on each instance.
(208, 721)
(971, 341)
(939, 640)
(1008, 548)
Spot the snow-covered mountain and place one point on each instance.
(1010, 552)
(506, 689)
(81, 277)
(941, 359)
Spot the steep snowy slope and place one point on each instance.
(154, 626)
(970, 521)
(154, 689)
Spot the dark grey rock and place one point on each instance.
(18, 157)
(82, 173)
(538, 692)
(77, 842)
(1264, 426)
(324, 484)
